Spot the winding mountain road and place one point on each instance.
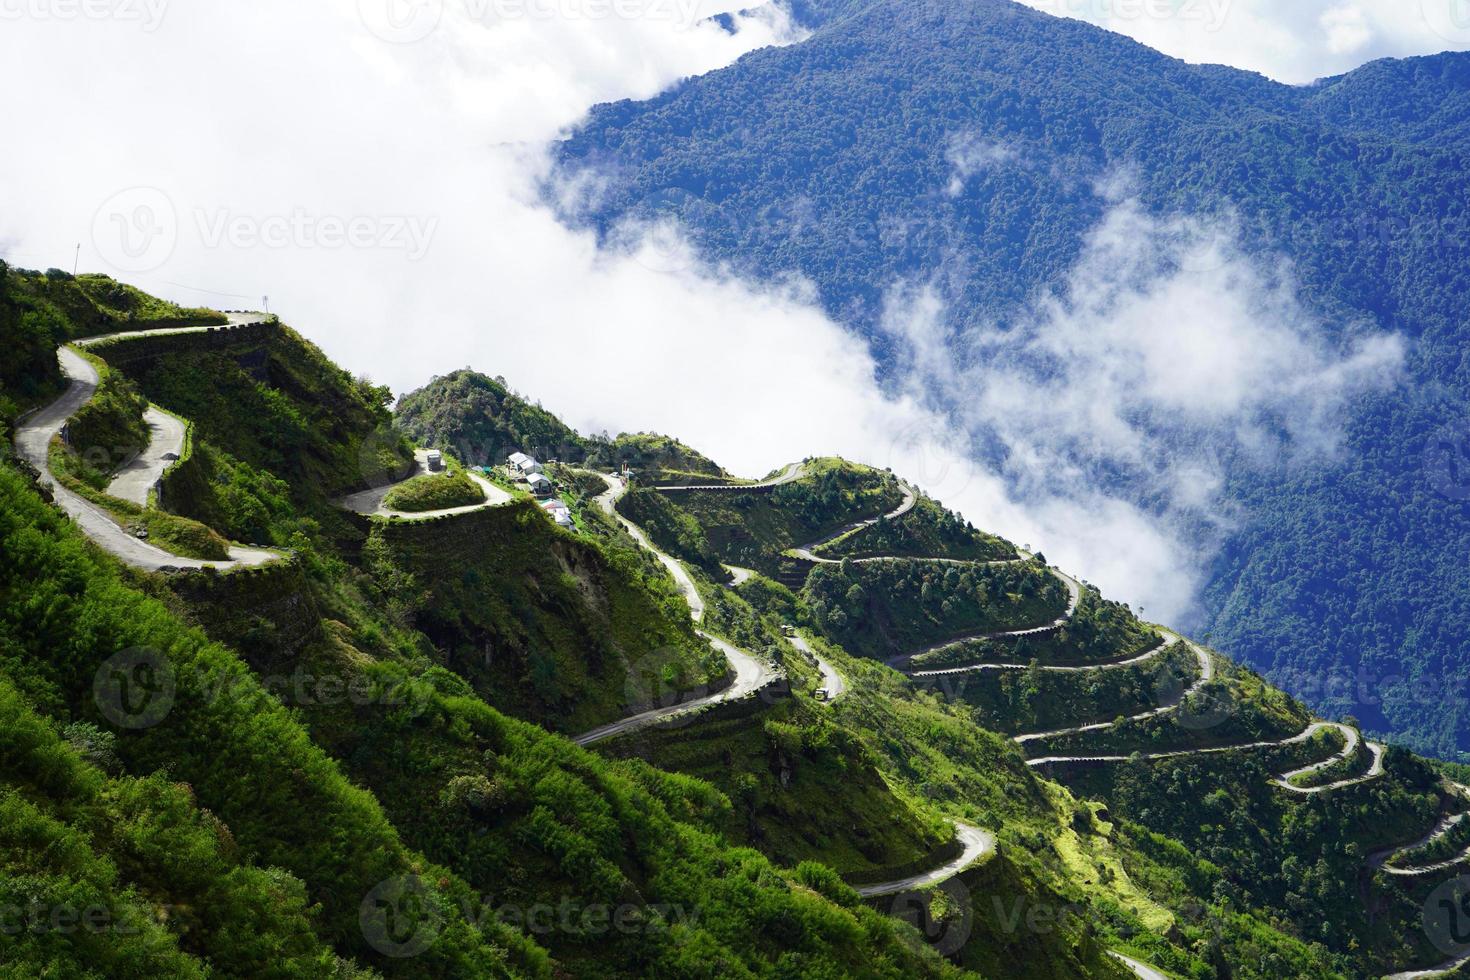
(751, 672)
(1141, 970)
(370, 502)
(1378, 860)
(789, 473)
(832, 681)
(1350, 746)
(979, 843)
(166, 436)
(33, 440)
(976, 843)
(1349, 734)
(1204, 676)
(1443, 970)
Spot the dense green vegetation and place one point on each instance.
(272, 399)
(1100, 631)
(926, 531)
(753, 529)
(834, 159)
(1035, 700)
(376, 704)
(543, 624)
(890, 608)
(657, 459)
(1236, 708)
(482, 421)
(109, 429)
(435, 491)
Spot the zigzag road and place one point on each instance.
(33, 440)
(751, 672)
(370, 502)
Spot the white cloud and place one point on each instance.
(1165, 352)
(319, 148)
(1295, 41)
(971, 153)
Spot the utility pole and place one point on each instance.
(76, 262)
(266, 302)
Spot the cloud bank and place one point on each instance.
(371, 166)
(1296, 41)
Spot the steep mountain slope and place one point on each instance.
(962, 146)
(349, 740)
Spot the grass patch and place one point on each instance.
(435, 491)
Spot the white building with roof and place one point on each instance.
(522, 464)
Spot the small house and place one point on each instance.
(558, 511)
(523, 465)
(539, 484)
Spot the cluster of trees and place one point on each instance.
(885, 608)
(928, 530)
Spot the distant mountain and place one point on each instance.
(834, 158)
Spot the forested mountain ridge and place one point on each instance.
(955, 760)
(836, 159)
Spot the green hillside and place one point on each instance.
(483, 745)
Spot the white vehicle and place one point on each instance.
(435, 460)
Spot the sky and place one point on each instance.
(371, 166)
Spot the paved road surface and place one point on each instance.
(833, 681)
(1141, 970)
(166, 435)
(32, 440)
(1378, 859)
(808, 551)
(1074, 598)
(370, 502)
(1203, 676)
(751, 672)
(977, 843)
(789, 474)
(1351, 739)
(1305, 735)
(739, 576)
(1444, 969)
